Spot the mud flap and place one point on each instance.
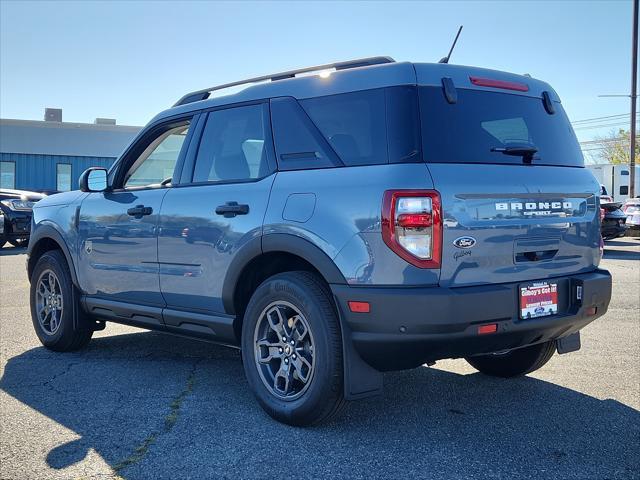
(568, 344)
(81, 320)
(361, 380)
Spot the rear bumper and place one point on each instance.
(407, 327)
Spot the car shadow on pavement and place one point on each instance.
(613, 254)
(6, 251)
(627, 242)
(156, 406)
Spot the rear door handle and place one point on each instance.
(231, 209)
(139, 211)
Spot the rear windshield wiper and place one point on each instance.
(524, 151)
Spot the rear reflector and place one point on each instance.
(591, 311)
(490, 328)
(489, 82)
(359, 307)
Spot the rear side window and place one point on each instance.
(234, 145)
(370, 127)
(354, 124)
(481, 124)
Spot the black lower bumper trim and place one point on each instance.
(407, 327)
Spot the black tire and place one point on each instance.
(323, 397)
(66, 337)
(22, 242)
(515, 362)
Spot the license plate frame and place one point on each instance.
(537, 299)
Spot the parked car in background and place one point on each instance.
(49, 191)
(613, 221)
(16, 207)
(631, 209)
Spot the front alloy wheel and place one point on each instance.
(49, 302)
(55, 304)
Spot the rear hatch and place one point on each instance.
(517, 202)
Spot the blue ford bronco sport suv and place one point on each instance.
(333, 223)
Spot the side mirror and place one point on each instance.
(93, 179)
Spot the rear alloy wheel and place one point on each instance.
(514, 363)
(283, 350)
(292, 349)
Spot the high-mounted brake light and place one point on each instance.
(490, 82)
(412, 226)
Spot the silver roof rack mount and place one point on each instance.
(360, 62)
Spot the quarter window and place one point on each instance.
(157, 163)
(63, 177)
(354, 124)
(7, 175)
(234, 145)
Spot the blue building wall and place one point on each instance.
(38, 172)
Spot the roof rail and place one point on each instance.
(360, 62)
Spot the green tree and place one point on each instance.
(616, 147)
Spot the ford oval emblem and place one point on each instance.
(464, 242)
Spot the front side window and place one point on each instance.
(233, 145)
(63, 177)
(7, 175)
(156, 164)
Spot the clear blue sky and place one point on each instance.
(128, 60)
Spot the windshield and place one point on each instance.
(490, 127)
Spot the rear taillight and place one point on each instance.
(412, 226)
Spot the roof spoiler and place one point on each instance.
(360, 62)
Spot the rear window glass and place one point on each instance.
(481, 121)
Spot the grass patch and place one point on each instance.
(170, 420)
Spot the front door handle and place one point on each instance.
(139, 211)
(231, 209)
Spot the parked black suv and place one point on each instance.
(15, 216)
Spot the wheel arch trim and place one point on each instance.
(273, 243)
(49, 232)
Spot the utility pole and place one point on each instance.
(634, 97)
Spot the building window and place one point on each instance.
(7, 174)
(63, 177)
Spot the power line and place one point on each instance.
(603, 125)
(590, 120)
(604, 140)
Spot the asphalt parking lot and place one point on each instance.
(140, 405)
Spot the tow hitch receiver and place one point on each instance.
(570, 343)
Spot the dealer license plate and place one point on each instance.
(538, 300)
